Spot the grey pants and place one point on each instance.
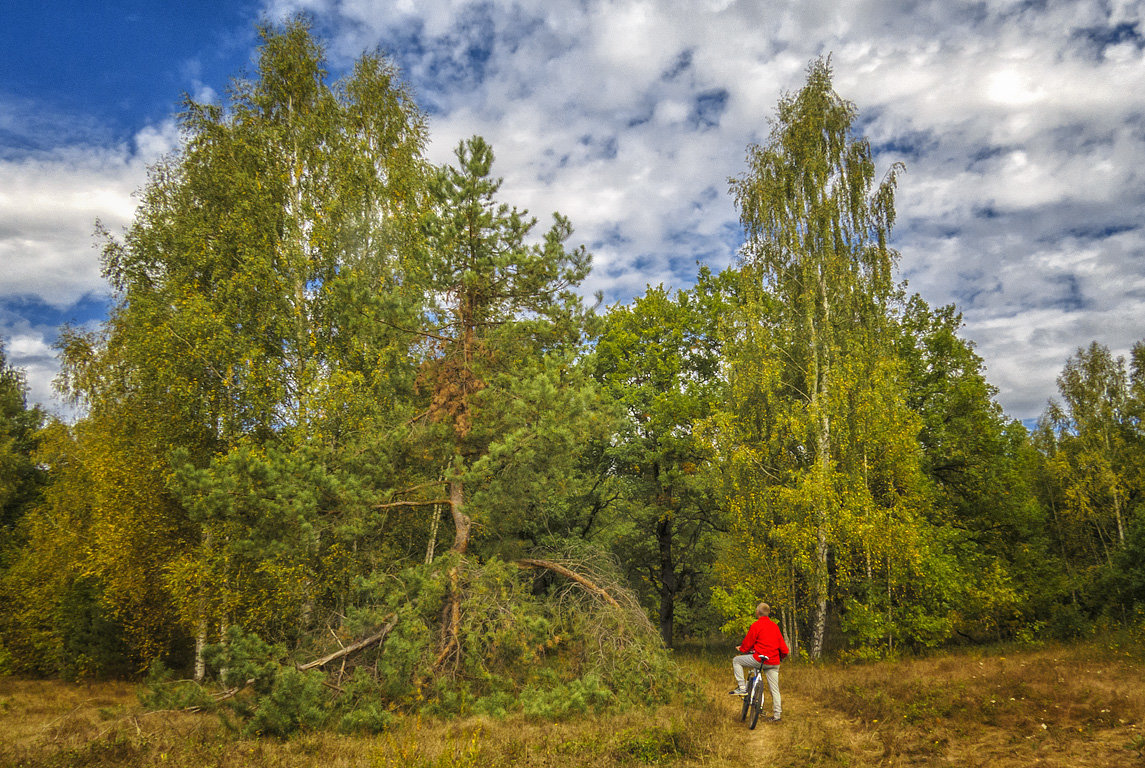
(770, 671)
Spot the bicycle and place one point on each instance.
(753, 699)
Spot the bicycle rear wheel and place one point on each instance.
(756, 696)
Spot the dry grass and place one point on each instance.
(1060, 706)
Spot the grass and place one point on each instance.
(1051, 706)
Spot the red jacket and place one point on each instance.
(763, 638)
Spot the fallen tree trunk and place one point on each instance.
(375, 638)
(569, 574)
(450, 625)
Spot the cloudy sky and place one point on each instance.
(1021, 124)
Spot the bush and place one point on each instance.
(294, 702)
(550, 653)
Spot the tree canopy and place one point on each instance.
(353, 442)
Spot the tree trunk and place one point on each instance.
(820, 628)
(200, 645)
(667, 577)
(432, 535)
(461, 521)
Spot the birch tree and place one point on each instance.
(825, 445)
(245, 340)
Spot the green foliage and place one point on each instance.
(240, 397)
(162, 689)
(503, 327)
(20, 476)
(369, 718)
(981, 467)
(824, 479)
(658, 360)
(92, 642)
(554, 700)
(294, 702)
(657, 745)
(547, 650)
(1092, 456)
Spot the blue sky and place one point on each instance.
(1022, 126)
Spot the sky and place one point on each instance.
(1021, 126)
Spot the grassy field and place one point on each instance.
(1081, 705)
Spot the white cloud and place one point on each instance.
(1020, 125)
(29, 350)
(49, 203)
(50, 200)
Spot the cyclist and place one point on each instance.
(762, 648)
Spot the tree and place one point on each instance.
(501, 335)
(20, 478)
(21, 481)
(1090, 443)
(1090, 440)
(508, 406)
(659, 358)
(826, 483)
(247, 348)
(980, 465)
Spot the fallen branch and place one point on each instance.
(375, 638)
(230, 693)
(450, 624)
(569, 574)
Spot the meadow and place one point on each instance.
(1052, 705)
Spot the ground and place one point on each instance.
(1077, 705)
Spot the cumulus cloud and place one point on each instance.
(50, 200)
(1019, 124)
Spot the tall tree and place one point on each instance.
(501, 334)
(827, 450)
(980, 464)
(246, 345)
(659, 358)
(1090, 447)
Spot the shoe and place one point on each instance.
(738, 692)
(773, 720)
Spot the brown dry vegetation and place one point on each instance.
(1055, 706)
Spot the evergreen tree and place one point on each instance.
(502, 333)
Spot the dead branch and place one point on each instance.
(351, 648)
(230, 693)
(450, 624)
(427, 502)
(569, 574)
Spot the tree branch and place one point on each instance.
(412, 503)
(352, 647)
(556, 568)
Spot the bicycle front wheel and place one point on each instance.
(746, 701)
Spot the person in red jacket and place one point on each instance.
(763, 648)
